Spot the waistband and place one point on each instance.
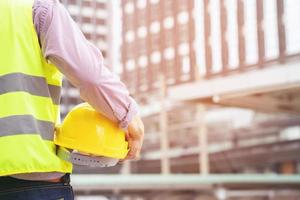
(7, 182)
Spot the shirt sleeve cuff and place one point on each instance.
(132, 111)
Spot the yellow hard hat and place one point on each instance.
(88, 131)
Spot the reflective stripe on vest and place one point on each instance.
(32, 84)
(26, 124)
(29, 96)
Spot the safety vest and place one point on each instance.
(29, 96)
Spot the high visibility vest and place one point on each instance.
(29, 96)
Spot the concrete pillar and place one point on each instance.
(203, 141)
(126, 167)
(163, 120)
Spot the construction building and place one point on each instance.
(218, 82)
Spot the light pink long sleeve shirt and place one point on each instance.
(81, 62)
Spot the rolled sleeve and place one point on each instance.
(132, 110)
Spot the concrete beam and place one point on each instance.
(175, 182)
(273, 78)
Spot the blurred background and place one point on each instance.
(218, 84)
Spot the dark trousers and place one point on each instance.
(17, 189)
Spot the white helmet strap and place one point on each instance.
(84, 160)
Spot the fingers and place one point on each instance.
(135, 137)
(135, 146)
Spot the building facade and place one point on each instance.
(158, 38)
